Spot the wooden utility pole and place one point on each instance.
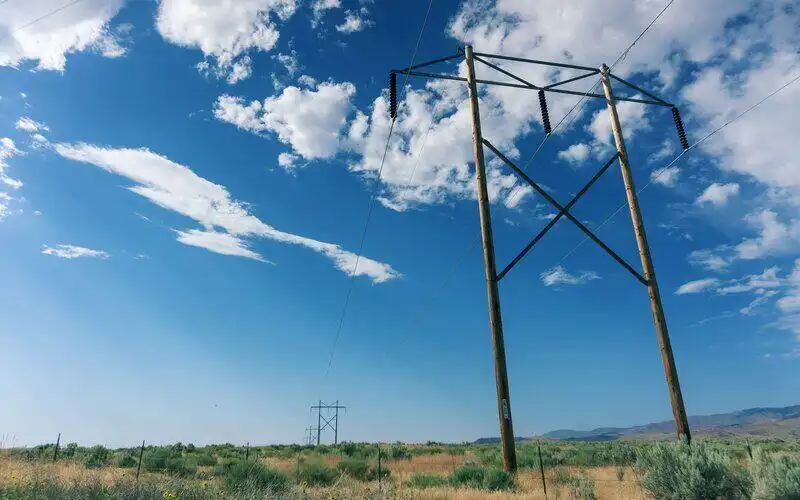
(673, 384)
(139, 466)
(55, 451)
(495, 320)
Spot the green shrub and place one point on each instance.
(422, 480)
(398, 452)
(168, 460)
(495, 480)
(775, 477)
(679, 471)
(355, 468)
(562, 476)
(468, 476)
(204, 459)
(316, 473)
(249, 476)
(126, 460)
(582, 488)
(96, 457)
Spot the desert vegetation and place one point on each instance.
(706, 469)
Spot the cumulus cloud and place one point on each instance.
(774, 236)
(320, 7)
(79, 27)
(311, 121)
(708, 260)
(667, 177)
(355, 21)
(560, 276)
(697, 286)
(575, 154)
(226, 223)
(225, 32)
(65, 251)
(718, 194)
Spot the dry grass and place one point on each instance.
(15, 471)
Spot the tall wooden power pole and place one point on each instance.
(646, 278)
(495, 319)
(664, 344)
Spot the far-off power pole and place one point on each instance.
(328, 421)
(493, 277)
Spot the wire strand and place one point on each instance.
(371, 204)
(657, 175)
(40, 18)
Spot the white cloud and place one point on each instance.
(8, 150)
(697, 286)
(224, 31)
(31, 126)
(83, 26)
(287, 161)
(308, 81)
(774, 236)
(176, 187)
(560, 276)
(631, 117)
(311, 121)
(289, 62)
(319, 8)
(575, 154)
(708, 260)
(754, 282)
(219, 242)
(64, 251)
(667, 177)
(718, 194)
(354, 21)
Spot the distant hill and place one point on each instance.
(772, 422)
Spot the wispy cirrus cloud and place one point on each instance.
(226, 223)
(560, 276)
(70, 252)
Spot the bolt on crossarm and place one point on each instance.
(664, 344)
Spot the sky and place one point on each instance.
(184, 186)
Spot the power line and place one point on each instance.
(40, 18)
(516, 189)
(372, 202)
(675, 160)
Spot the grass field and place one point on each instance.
(616, 470)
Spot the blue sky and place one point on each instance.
(184, 184)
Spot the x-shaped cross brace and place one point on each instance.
(563, 211)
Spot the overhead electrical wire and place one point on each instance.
(372, 205)
(675, 160)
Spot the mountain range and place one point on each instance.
(753, 422)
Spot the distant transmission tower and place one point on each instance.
(330, 420)
(310, 435)
(493, 277)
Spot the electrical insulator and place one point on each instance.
(393, 94)
(679, 126)
(545, 114)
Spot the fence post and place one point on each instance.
(55, 452)
(139, 467)
(541, 468)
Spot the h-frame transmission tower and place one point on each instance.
(328, 421)
(647, 277)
